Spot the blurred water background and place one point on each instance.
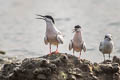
(21, 35)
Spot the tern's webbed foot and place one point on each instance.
(50, 53)
(78, 58)
(56, 52)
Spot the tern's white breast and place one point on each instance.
(51, 33)
(77, 41)
(107, 47)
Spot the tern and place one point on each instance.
(106, 46)
(52, 36)
(77, 44)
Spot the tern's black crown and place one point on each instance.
(77, 26)
(50, 17)
(106, 36)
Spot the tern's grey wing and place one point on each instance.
(58, 32)
(101, 46)
(46, 40)
(70, 45)
(112, 45)
(60, 39)
(84, 46)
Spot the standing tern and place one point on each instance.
(77, 44)
(106, 46)
(52, 36)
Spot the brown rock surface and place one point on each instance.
(60, 66)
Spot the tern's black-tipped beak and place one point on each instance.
(42, 17)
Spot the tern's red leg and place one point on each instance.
(50, 48)
(56, 52)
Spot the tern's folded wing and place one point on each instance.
(101, 46)
(46, 40)
(70, 45)
(84, 47)
(60, 39)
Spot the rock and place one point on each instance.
(64, 58)
(60, 66)
(116, 60)
(93, 77)
(96, 68)
(8, 68)
(71, 77)
(42, 77)
(106, 68)
(63, 75)
(44, 63)
(2, 52)
(116, 76)
(110, 68)
(57, 61)
(53, 67)
(86, 68)
(76, 71)
(107, 62)
(116, 67)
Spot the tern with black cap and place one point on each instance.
(52, 36)
(77, 43)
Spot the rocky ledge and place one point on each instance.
(60, 66)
